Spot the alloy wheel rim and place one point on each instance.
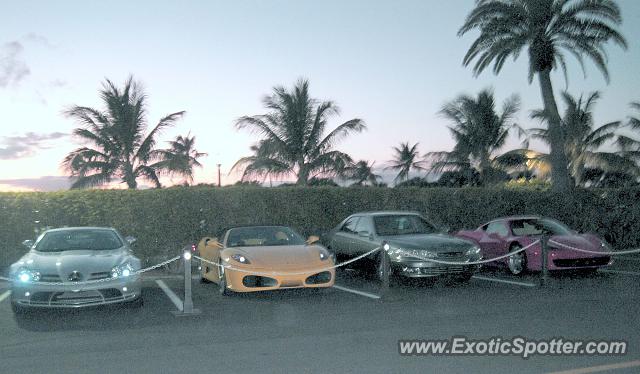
(223, 280)
(516, 263)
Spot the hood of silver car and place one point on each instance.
(63, 264)
(430, 242)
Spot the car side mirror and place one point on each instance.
(363, 234)
(130, 240)
(313, 239)
(28, 243)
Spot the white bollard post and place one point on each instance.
(187, 304)
(384, 264)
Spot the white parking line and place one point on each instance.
(365, 294)
(620, 272)
(504, 281)
(601, 368)
(4, 295)
(172, 296)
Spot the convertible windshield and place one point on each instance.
(263, 236)
(527, 227)
(71, 240)
(402, 225)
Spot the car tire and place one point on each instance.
(222, 282)
(517, 263)
(379, 270)
(202, 273)
(137, 303)
(464, 277)
(18, 310)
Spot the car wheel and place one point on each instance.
(518, 262)
(464, 277)
(203, 271)
(334, 254)
(18, 310)
(137, 303)
(380, 270)
(222, 282)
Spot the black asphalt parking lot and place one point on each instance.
(331, 330)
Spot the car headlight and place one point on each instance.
(324, 255)
(27, 275)
(122, 271)
(240, 258)
(473, 251)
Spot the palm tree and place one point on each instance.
(479, 131)
(405, 159)
(262, 164)
(582, 140)
(362, 173)
(630, 147)
(181, 157)
(549, 29)
(634, 122)
(119, 146)
(294, 142)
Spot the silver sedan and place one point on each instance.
(76, 267)
(415, 245)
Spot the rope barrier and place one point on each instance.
(470, 262)
(335, 266)
(311, 271)
(230, 267)
(594, 252)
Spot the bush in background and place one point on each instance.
(163, 220)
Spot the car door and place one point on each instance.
(344, 237)
(492, 242)
(364, 240)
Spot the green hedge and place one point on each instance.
(168, 218)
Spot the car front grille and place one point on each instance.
(50, 278)
(580, 262)
(258, 281)
(100, 275)
(450, 255)
(434, 270)
(75, 298)
(320, 278)
(437, 270)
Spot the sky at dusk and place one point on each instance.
(391, 63)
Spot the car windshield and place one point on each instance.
(71, 240)
(263, 236)
(408, 224)
(535, 226)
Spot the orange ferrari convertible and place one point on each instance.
(262, 258)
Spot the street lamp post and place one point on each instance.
(219, 182)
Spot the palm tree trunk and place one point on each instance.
(303, 174)
(483, 166)
(559, 172)
(129, 177)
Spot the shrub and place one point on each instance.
(166, 219)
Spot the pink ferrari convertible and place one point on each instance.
(504, 235)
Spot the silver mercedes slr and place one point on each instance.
(76, 267)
